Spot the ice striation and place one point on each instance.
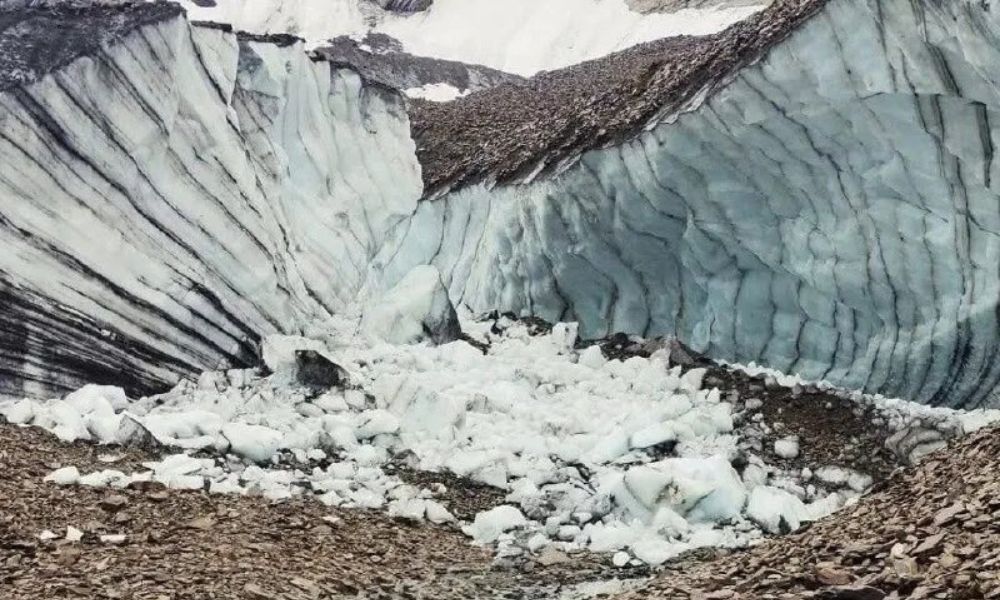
(177, 192)
(830, 210)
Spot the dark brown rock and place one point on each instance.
(515, 129)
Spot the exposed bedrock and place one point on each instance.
(833, 211)
(177, 193)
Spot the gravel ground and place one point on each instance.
(931, 532)
(833, 430)
(190, 545)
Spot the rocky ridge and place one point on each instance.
(45, 37)
(519, 130)
(380, 58)
(648, 6)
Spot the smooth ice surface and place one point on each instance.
(416, 309)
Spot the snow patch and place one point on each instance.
(436, 92)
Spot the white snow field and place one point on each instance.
(517, 36)
(631, 458)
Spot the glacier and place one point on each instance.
(180, 192)
(828, 209)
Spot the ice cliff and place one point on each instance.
(171, 193)
(830, 210)
(826, 204)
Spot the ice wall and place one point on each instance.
(833, 212)
(173, 196)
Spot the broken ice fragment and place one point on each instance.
(490, 525)
(416, 309)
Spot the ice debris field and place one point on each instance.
(633, 457)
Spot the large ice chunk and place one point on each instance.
(491, 524)
(775, 510)
(700, 489)
(417, 309)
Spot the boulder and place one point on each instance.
(133, 434)
(315, 371)
(302, 361)
(278, 352)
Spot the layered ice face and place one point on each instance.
(832, 217)
(172, 197)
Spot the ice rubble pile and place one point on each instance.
(578, 441)
(605, 455)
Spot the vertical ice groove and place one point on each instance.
(831, 211)
(169, 199)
